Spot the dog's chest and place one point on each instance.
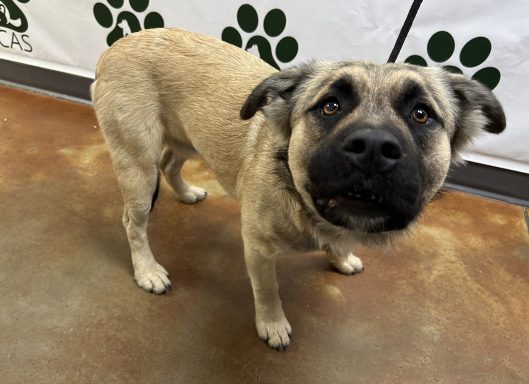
(290, 237)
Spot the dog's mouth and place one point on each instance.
(354, 208)
(356, 197)
(362, 208)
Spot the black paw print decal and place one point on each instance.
(11, 16)
(274, 24)
(126, 22)
(476, 51)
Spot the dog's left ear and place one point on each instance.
(478, 110)
(275, 97)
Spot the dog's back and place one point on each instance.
(161, 83)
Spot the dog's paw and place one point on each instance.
(275, 333)
(193, 195)
(154, 279)
(348, 265)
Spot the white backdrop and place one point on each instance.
(69, 36)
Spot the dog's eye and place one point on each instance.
(330, 107)
(420, 115)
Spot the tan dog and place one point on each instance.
(320, 156)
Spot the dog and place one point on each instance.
(322, 155)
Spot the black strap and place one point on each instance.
(404, 30)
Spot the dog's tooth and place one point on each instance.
(332, 203)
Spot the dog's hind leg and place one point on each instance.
(138, 187)
(171, 165)
(136, 152)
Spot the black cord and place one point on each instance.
(404, 30)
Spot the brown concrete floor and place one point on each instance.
(450, 304)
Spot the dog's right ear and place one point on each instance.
(275, 95)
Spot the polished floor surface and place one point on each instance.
(448, 304)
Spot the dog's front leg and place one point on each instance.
(272, 325)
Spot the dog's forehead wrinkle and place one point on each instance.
(344, 74)
(421, 88)
(372, 82)
(381, 85)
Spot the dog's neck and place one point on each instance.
(282, 169)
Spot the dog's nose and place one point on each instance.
(372, 151)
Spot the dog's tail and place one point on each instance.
(156, 192)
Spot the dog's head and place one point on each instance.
(369, 145)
